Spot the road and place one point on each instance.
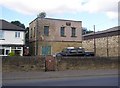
(111, 80)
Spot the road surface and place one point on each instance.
(111, 80)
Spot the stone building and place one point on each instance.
(48, 36)
(104, 43)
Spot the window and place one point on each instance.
(62, 31)
(7, 52)
(1, 51)
(18, 47)
(1, 34)
(34, 31)
(46, 30)
(31, 33)
(17, 34)
(73, 34)
(73, 51)
(46, 50)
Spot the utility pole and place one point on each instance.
(107, 46)
(94, 41)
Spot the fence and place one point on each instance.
(37, 63)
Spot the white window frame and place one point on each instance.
(17, 34)
(1, 34)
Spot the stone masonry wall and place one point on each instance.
(105, 46)
(58, 46)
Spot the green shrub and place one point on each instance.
(11, 54)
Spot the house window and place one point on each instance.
(1, 34)
(62, 31)
(17, 34)
(73, 32)
(2, 51)
(46, 30)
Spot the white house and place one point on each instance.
(12, 38)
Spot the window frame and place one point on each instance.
(62, 31)
(46, 30)
(73, 32)
(1, 34)
(17, 34)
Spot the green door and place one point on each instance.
(46, 50)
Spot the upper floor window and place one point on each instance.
(73, 32)
(46, 30)
(17, 34)
(1, 34)
(62, 31)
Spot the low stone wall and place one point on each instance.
(84, 63)
(25, 63)
(10, 64)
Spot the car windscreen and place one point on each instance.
(73, 51)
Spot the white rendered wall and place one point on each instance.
(9, 38)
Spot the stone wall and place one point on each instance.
(85, 63)
(105, 45)
(58, 46)
(55, 46)
(37, 63)
(23, 63)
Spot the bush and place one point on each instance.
(11, 54)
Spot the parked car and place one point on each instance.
(89, 53)
(71, 51)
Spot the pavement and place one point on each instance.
(57, 74)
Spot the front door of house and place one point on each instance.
(46, 50)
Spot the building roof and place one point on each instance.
(104, 31)
(109, 32)
(5, 25)
(57, 19)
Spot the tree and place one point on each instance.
(42, 15)
(27, 36)
(86, 31)
(18, 23)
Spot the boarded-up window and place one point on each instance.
(46, 50)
